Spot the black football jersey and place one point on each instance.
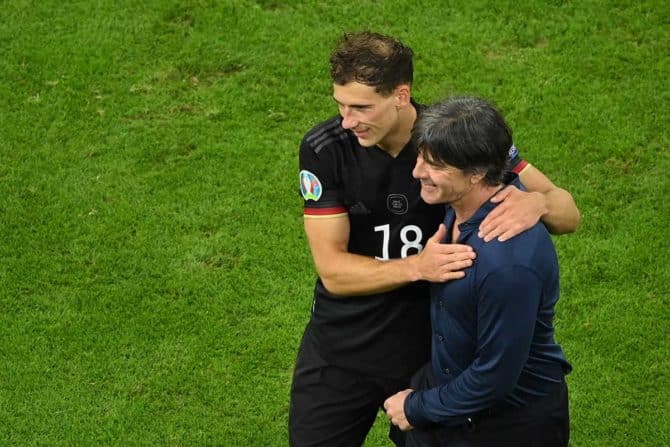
(385, 334)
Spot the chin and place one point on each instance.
(430, 200)
(366, 142)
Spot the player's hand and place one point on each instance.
(440, 262)
(517, 212)
(395, 410)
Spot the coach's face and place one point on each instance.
(442, 183)
(372, 117)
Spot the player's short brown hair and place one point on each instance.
(372, 59)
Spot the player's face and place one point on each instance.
(372, 117)
(441, 184)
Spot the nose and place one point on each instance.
(418, 170)
(348, 120)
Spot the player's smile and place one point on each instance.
(361, 133)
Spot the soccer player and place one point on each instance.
(497, 374)
(375, 244)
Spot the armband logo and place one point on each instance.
(397, 203)
(310, 186)
(513, 152)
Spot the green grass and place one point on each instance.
(154, 278)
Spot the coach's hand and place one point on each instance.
(440, 262)
(395, 410)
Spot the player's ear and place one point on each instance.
(402, 95)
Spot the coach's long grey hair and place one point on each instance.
(465, 132)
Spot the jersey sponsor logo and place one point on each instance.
(310, 186)
(397, 203)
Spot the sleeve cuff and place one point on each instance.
(413, 411)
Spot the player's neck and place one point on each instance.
(396, 140)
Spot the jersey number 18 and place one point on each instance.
(410, 235)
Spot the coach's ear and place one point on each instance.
(477, 177)
(402, 95)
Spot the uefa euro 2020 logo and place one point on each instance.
(310, 186)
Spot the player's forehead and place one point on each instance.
(356, 94)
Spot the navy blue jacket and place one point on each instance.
(493, 337)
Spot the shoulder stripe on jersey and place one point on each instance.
(324, 128)
(329, 132)
(523, 164)
(324, 138)
(339, 137)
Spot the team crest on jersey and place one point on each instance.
(513, 152)
(310, 186)
(397, 203)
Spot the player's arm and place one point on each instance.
(347, 274)
(520, 210)
(562, 215)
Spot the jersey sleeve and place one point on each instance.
(515, 163)
(320, 183)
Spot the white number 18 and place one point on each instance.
(405, 233)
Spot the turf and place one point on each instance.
(154, 278)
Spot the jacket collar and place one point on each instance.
(476, 219)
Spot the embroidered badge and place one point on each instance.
(310, 186)
(397, 203)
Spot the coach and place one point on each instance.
(497, 375)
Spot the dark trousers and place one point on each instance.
(543, 423)
(332, 407)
